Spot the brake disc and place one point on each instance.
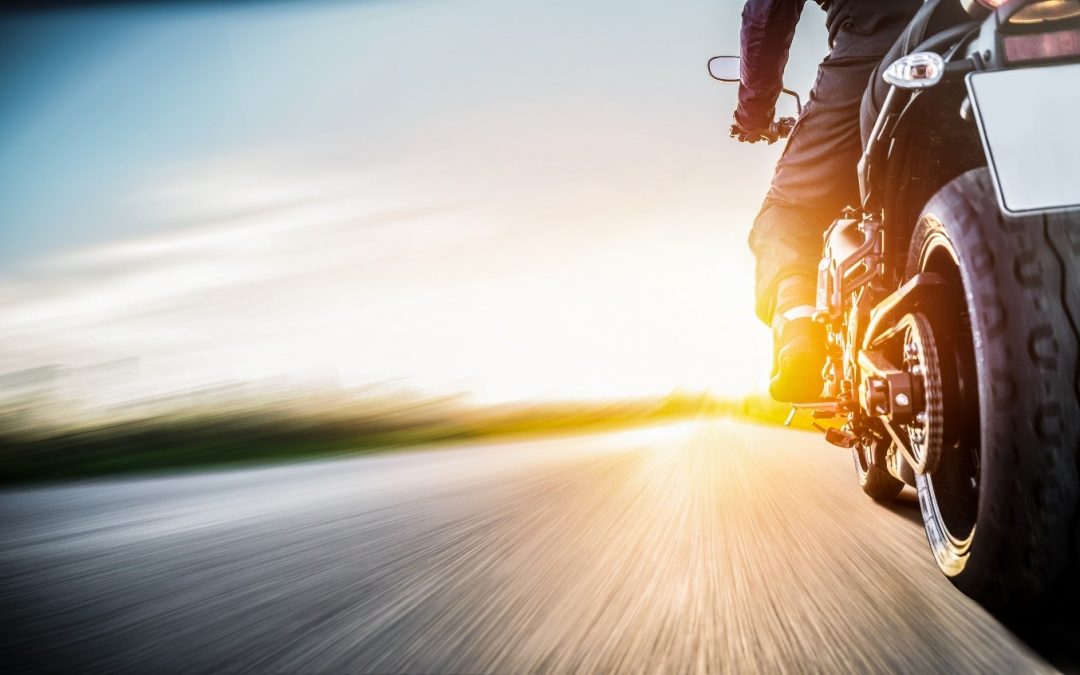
(925, 431)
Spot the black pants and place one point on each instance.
(817, 175)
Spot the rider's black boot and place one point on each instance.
(799, 348)
(799, 345)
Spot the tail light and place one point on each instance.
(1042, 46)
(1039, 31)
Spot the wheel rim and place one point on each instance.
(949, 495)
(924, 432)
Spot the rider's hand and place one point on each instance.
(752, 135)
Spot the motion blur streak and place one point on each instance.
(696, 547)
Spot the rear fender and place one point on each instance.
(930, 145)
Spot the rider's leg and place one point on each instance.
(787, 243)
(815, 178)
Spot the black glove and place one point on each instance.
(768, 133)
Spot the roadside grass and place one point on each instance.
(246, 437)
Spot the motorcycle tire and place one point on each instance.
(1011, 326)
(875, 481)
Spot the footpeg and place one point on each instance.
(820, 410)
(840, 438)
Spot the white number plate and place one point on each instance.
(1029, 119)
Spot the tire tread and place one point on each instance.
(1026, 310)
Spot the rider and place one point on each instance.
(816, 175)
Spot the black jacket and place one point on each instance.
(856, 28)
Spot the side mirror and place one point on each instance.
(725, 68)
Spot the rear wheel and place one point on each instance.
(1000, 504)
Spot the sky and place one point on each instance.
(506, 199)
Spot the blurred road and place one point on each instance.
(695, 547)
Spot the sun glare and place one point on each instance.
(575, 238)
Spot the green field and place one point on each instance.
(239, 437)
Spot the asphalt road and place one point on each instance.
(696, 547)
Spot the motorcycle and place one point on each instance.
(951, 294)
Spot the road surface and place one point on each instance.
(697, 547)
